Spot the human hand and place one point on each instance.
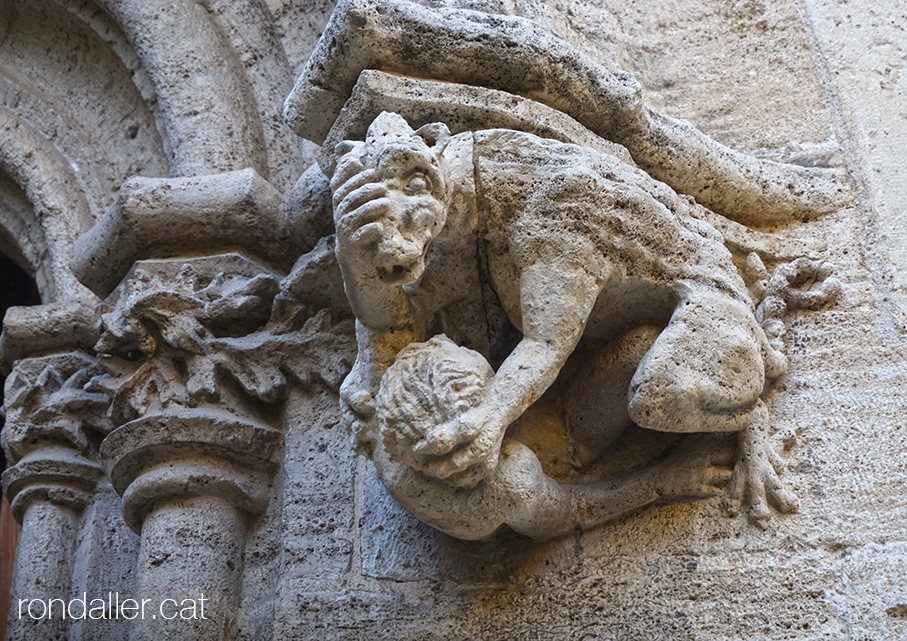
(469, 441)
(699, 468)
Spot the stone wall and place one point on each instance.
(191, 94)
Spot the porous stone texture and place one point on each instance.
(162, 122)
(207, 535)
(573, 237)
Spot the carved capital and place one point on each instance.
(189, 395)
(53, 425)
(201, 335)
(160, 338)
(196, 358)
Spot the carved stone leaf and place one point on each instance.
(202, 383)
(322, 351)
(132, 397)
(314, 284)
(17, 391)
(184, 333)
(258, 376)
(238, 305)
(170, 387)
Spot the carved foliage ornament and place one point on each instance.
(46, 402)
(52, 430)
(172, 343)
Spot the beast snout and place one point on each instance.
(400, 261)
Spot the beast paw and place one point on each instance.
(755, 481)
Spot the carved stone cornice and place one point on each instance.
(168, 217)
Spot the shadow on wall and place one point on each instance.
(16, 288)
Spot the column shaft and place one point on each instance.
(191, 550)
(43, 572)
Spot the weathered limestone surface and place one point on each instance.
(861, 49)
(153, 131)
(50, 439)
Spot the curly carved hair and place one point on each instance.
(428, 385)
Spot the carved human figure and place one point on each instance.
(422, 394)
(579, 244)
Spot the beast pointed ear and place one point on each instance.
(347, 160)
(435, 135)
(343, 147)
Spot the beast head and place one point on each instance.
(390, 198)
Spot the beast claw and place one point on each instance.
(755, 478)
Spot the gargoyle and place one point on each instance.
(579, 245)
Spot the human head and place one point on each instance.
(429, 385)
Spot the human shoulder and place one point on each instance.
(519, 469)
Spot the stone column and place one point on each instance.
(195, 451)
(196, 358)
(53, 427)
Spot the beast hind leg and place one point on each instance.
(755, 481)
(706, 372)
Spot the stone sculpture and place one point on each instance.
(579, 245)
(197, 353)
(423, 393)
(226, 446)
(51, 435)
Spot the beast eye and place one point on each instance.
(417, 184)
(132, 355)
(128, 354)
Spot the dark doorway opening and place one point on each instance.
(16, 288)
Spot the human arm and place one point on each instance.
(556, 299)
